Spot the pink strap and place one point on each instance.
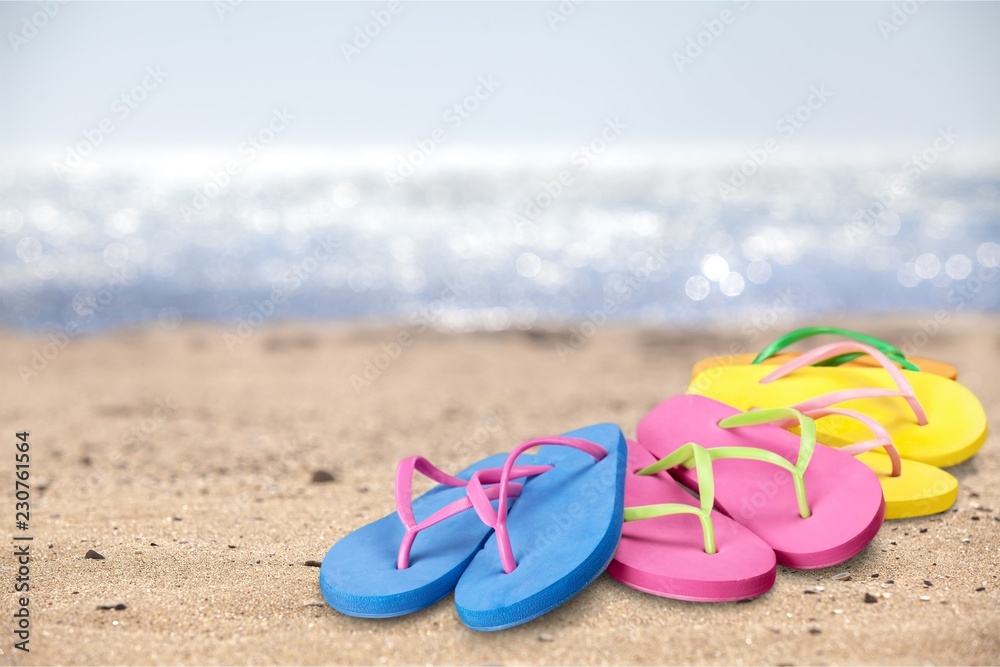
(824, 352)
(404, 502)
(497, 519)
(882, 437)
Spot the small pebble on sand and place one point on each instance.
(322, 477)
(928, 582)
(843, 576)
(925, 598)
(116, 607)
(311, 563)
(545, 637)
(93, 555)
(870, 599)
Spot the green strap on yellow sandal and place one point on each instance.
(792, 337)
(775, 354)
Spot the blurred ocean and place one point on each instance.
(491, 243)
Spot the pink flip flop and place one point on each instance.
(676, 546)
(813, 505)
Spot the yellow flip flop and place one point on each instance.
(772, 354)
(931, 419)
(910, 488)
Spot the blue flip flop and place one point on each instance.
(559, 537)
(397, 566)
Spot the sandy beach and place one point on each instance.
(192, 463)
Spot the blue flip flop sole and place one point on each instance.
(358, 576)
(564, 532)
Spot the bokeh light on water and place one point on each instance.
(113, 246)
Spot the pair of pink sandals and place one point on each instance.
(716, 497)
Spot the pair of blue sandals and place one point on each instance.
(513, 536)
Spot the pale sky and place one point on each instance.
(224, 76)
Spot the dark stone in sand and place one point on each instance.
(981, 589)
(322, 477)
(312, 563)
(93, 554)
(117, 607)
(814, 631)
(928, 582)
(870, 599)
(923, 530)
(807, 592)
(875, 576)
(153, 544)
(232, 546)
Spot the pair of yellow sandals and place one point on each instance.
(920, 408)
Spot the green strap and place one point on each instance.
(693, 455)
(700, 458)
(885, 348)
(807, 445)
